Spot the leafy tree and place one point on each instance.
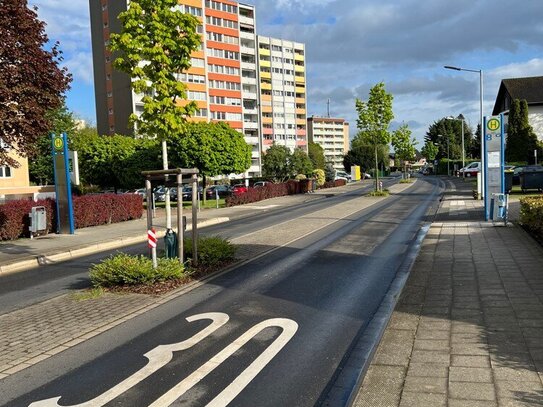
(521, 139)
(320, 177)
(155, 43)
(276, 163)
(316, 154)
(300, 163)
(330, 172)
(451, 130)
(404, 144)
(41, 163)
(213, 148)
(363, 155)
(31, 82)
(374, 117)
(429, 151)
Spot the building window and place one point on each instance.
(5, 172)
(200, 113)
(110, 94)
(104, 7)
(108, 77)
(197, 63)
(110, 110)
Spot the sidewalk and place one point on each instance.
(468, 327)
(23, 254)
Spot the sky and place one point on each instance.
(353, 44)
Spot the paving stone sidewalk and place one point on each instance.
(468, 328)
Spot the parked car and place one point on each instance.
(366, 175)
(160, 194)
(342, 175)
(239, 189)
(222, 190)
(187, 193)
(470, 170)
(260, 184)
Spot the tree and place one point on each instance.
(429, 151)
(41, 163)
(300, 163)
(276, 163)
(155, 44)
(316, 154)
(374, 117)
(31, 82)
(213, 148)
(521, 139)
(451, 130)
(404, 145)
(330, 172)
(363, 155)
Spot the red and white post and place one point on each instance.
(152, 243)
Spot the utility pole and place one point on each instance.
(328, 107)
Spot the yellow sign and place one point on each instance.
(493, 124)
(58, 142)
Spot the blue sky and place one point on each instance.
(353, 44)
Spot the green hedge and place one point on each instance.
(531, 214)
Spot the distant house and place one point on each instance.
(529, 89)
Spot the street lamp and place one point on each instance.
(448, 157)
(461, 118)
(480, 71)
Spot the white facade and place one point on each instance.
(535, 117)
(332, 134)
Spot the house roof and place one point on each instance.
(529, 89)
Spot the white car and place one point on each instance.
(470, 170)
(342, 175)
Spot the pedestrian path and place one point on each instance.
(468, 327)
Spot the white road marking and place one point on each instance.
(231, 391)
(158, 358)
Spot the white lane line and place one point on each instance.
(158, 358)
(231, 391)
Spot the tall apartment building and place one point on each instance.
(282, 92)
(332, 135)
(224, 80)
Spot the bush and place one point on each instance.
(531, 214)
(123, 269)
(319, 177)
(14, 219)
(336, 183)
(101, 209)
(212, 251)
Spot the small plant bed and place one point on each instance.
(135, 274)
(407, 181)
(384, 192)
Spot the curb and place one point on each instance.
(58, 257)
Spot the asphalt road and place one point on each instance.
(272, 332)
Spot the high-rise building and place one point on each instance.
(224, 79)
(332, 134)
(282, 92)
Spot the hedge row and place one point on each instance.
(89, 210)
(531, 214)
(276, 190)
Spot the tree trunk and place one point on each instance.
(376, 170)
(167, 190)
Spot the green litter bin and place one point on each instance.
(170, 244)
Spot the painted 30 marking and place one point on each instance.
(163, 354)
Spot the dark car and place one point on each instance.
(160, 194)
(222, 190)
(239, 189)
(187, 193)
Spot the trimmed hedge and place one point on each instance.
(531, 214)
(89, 210)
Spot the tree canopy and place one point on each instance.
(521, 139)
(404, 144)
(451, 130)
(316, 155)
(281, 164)
(154, 45)
(429, 151)
(31, 81)
(213, 148)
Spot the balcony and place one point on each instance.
(249, 95)
(266, 75)
(250, 125)
(246, 35)
(266, 86)
(298, 57)
(298, 68)
(253, 141)
(301, 143)
(250, 66)
(267, 131)
(301, 132)
(263, 51)
(247, 50)
(250, 111)
(248, 80)
(265, 63)
(246, 20)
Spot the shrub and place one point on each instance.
(336, 183)
(319, 177)
(124, 269)
(212, 251)
(14, 219)
(384, 192)
(531, 214)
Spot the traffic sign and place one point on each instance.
(58, 143)
(494, 124)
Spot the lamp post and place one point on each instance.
(461, 118)
(480, 72)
